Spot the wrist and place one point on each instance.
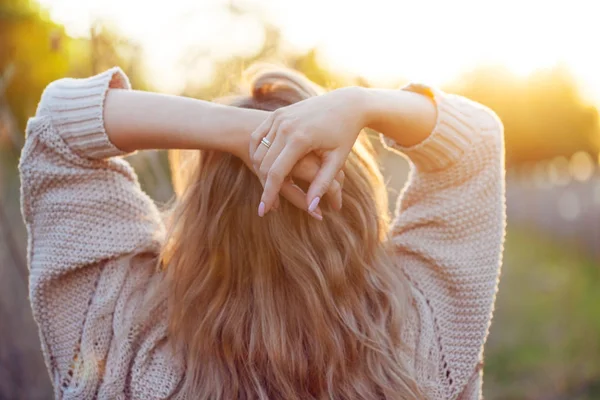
(243, 124)
(375, 108)
(358, 99)
(368, 112)
(403, 116)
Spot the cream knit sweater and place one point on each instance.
(92, 232)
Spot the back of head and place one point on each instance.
(283, 306)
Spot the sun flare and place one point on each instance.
(430, 41)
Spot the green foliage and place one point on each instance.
(545, 337)
(310, 66)
(37, 51)
(32, 47)
(107, 48)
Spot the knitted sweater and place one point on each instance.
(92, 233)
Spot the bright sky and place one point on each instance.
(426, 40)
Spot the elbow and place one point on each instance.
(45, 103)
(493, 122)
(489, 129)
(495, 128)
(480, 118)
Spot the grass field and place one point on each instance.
(545, 338)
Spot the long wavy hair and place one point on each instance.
(285, 306)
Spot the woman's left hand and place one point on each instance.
(327, 125)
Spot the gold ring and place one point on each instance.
(264, 141)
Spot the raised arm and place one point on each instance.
(136, 120)
(89, 223)
(70, 157)
(330, 123)
(449, 230)
(86, 216)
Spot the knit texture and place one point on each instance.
(93, 233)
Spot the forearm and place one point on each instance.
(136, 120)
(406, 117)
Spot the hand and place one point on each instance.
(327, 125)
(306, 170)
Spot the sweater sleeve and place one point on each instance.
(449, 229)
(83, 208)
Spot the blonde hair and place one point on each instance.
(283, 307)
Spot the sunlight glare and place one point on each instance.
(387, 42)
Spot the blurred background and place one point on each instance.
(537, 64)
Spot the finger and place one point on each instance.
(263, 170)
(277, 145)
(332, 164)
(260, 132)
(261, 209)
(313, 162)
(295, 195)
(281, 168)
(262, 150)
(307, 170)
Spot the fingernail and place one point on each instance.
(261, 209)
(313, 204)
(316, 216)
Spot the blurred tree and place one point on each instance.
(310, 65)
(227, 73)
(105, 48)
(34, 51)
(544, 115)
(31, 46)
(38, 51)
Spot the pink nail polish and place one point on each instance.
(316, 216)
(313, 204)
(261, 209)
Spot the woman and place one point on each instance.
(245, 294)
